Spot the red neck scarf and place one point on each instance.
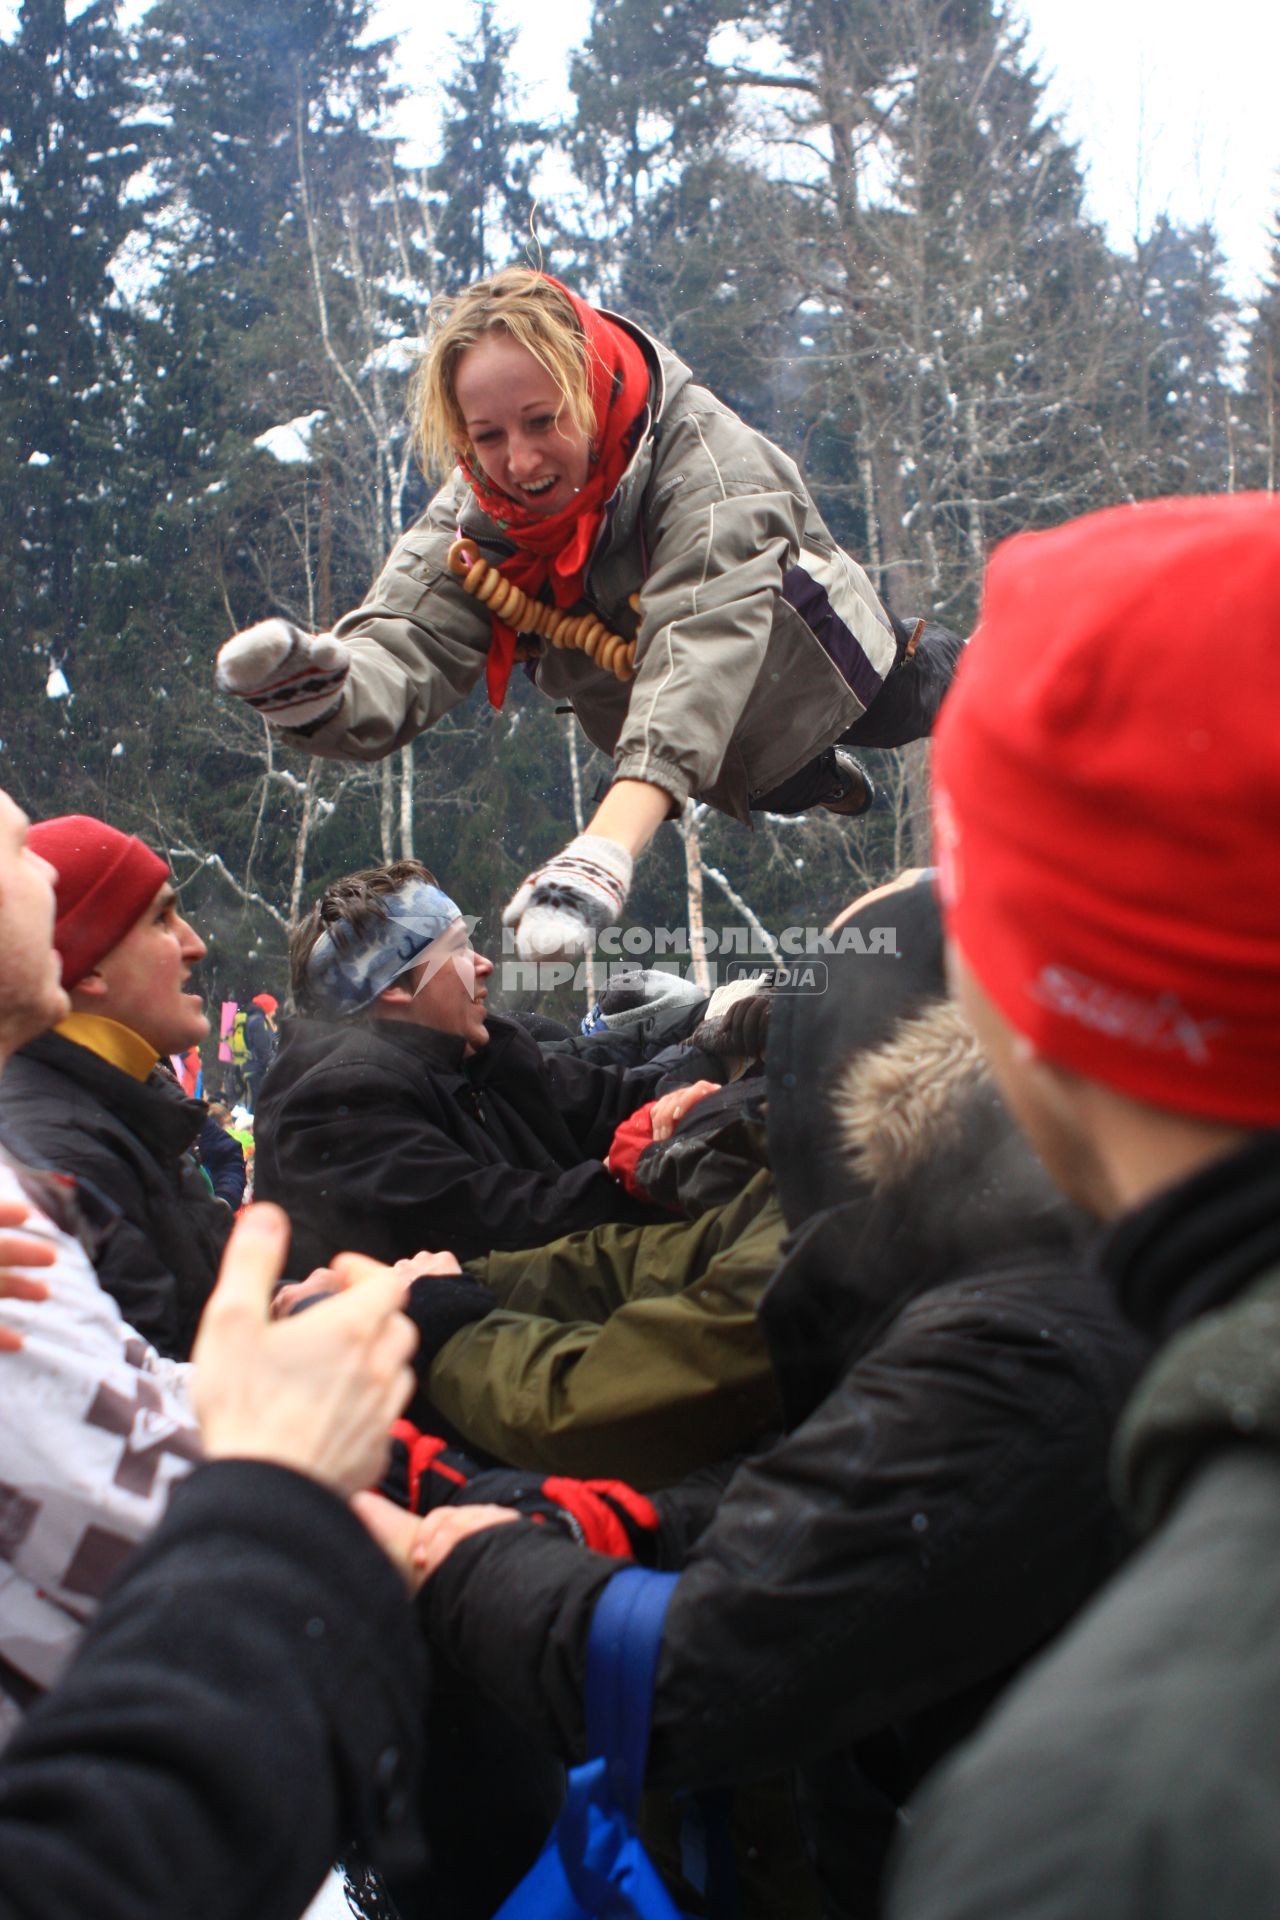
(556, 547)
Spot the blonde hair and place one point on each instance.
(537, 315)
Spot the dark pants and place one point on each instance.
(904, 709)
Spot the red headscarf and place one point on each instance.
(556, 547)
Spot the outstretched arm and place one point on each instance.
(247, 1701)
(389, 669)
(558, 909)
(633, 1353)
(936, 1518)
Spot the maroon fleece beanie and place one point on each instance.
(106, 881)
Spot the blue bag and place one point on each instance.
(594, 1866)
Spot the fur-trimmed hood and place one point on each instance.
(897, 1105)
(840, 1010)
(939, 1188)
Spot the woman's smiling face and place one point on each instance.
(524, 439)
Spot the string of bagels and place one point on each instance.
(516, 609)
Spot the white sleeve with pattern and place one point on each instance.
(94, 1431)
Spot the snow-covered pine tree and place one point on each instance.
(72, 143)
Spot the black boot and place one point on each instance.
(854, 792)
(832, 779)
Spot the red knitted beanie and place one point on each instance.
(1107, 800)
(106, 881)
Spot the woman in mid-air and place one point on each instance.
(657, 563)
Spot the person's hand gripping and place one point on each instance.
(317, 1392)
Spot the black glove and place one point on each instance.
(425, 1471)
(438, 1305)
(741, 1032)
(607, 1516)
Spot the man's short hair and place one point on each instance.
(354, 902)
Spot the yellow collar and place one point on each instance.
(118, 1046)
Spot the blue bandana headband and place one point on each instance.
(346, 973)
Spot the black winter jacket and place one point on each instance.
(245, 1703)
(1134, 1772)
(382, 1137)
(131, 1140)
(850, 1604)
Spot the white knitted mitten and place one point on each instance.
(292, 678)
(558, 910)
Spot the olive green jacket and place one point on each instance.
(628, 1352)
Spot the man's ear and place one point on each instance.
(92, 985)
(394, 996)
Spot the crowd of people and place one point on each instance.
(925, 1327)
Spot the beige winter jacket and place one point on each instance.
(758, 640)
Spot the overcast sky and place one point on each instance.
(1173, 102)
(1179, 98)
(1169, 114)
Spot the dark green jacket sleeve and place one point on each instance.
(628, 1352)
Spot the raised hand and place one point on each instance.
(317, 1392)
(292, 678)
(558, 910)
